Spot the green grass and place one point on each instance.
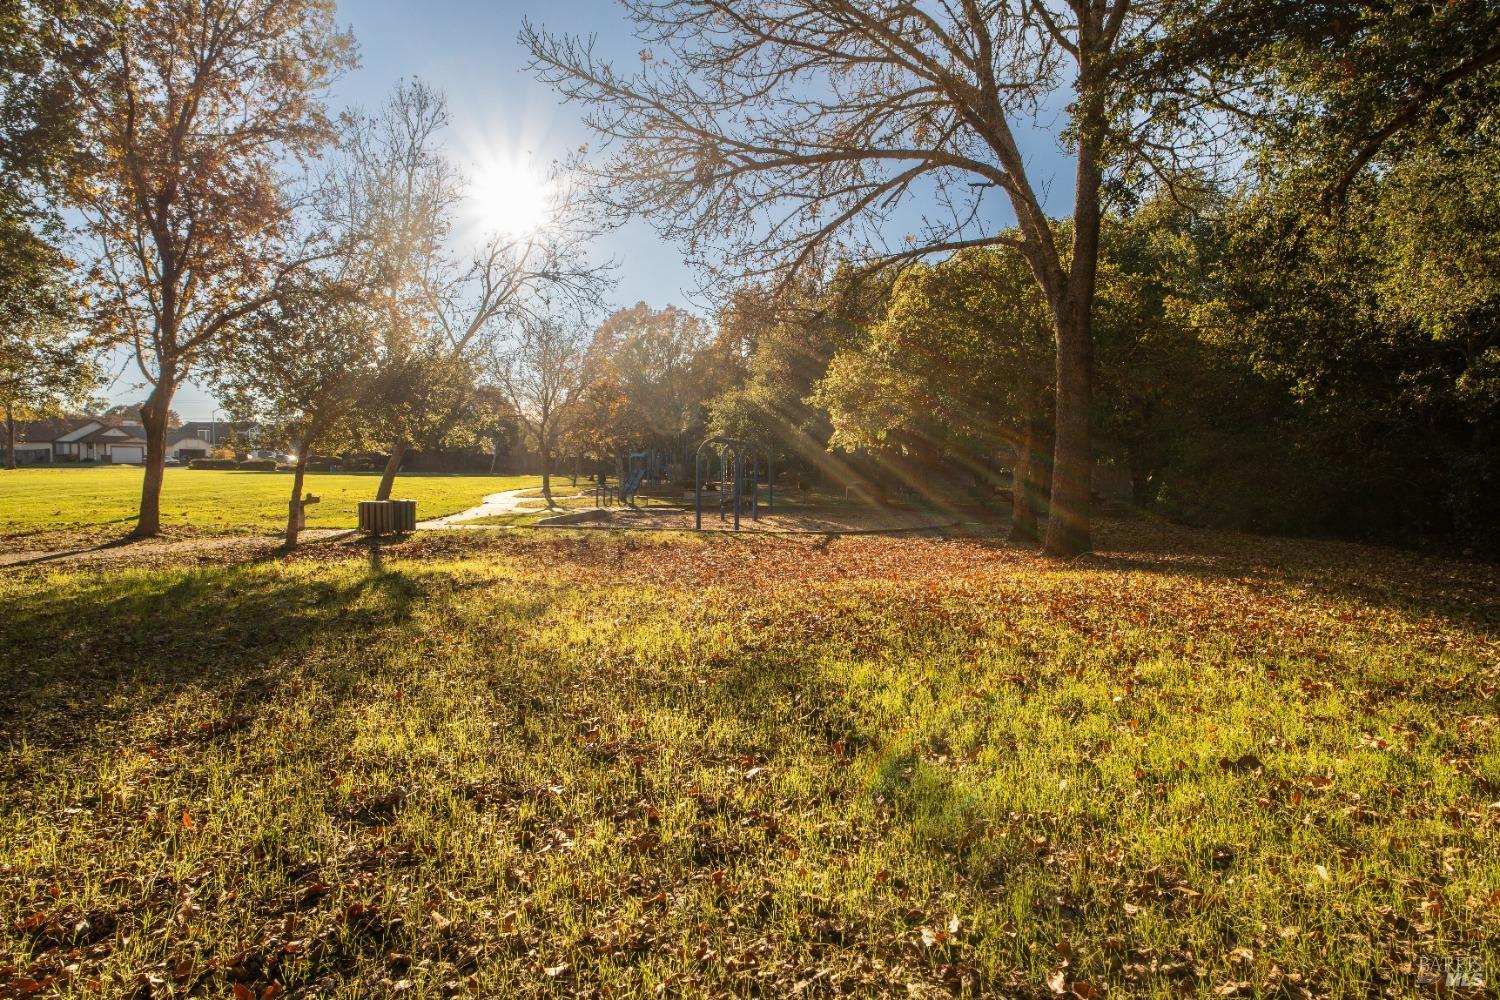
(211, 502)
(520, 517)
(558, 491)
(520, 765)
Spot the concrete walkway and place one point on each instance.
(509, 502)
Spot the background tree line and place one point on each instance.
(1271, 305)
(779, 141)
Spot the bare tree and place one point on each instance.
(399, 189)
(189, 107)
(770, 136)
(546, 375)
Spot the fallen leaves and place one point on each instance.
(666, 764)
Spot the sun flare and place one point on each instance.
(510, 197)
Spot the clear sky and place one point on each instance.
(468, 49)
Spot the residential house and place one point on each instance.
(34, 439)
(197, 439)
(215, 433)
(101, 441)
(107, 440)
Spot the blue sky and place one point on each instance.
(468, 49)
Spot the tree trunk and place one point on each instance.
(294, 508)
(1073, 314)
(494, 453)
(1073, 459)
(392, 466)
(545, 447)
(155, 413)
(10, 438)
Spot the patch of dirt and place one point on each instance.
(852, 519)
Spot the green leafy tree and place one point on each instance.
(784, 338)
(189, 110)
(43, 372)
(961, 361)
(39, 143)
(43, 367)
(300, 368)
(493, 422)
(1328, 91)
(718, 140)
(652, 353)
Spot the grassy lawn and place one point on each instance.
(516, 765)
(558, 491)
(520, 517)
(61, 500)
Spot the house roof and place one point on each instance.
(116, 434)
(43, 431)
(217, 431)
(48, 431)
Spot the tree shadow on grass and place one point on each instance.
(74, 549)
(76, 659)
(1464, 593)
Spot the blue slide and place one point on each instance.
(632, 486)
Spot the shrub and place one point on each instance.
(258, 465)
(213, 463)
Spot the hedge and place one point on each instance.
(258, 465)
(213, 463)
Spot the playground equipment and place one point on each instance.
(643, 470)
(657, 465)
(604, 494)
(739, 469)
(632, 485)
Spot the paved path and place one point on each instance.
(509, 502)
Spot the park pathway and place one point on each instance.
(508, 502)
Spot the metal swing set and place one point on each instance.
(739, 464)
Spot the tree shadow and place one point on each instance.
(1463, 592)
(55, 556)
(80, 656)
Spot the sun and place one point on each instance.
(510, 197)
